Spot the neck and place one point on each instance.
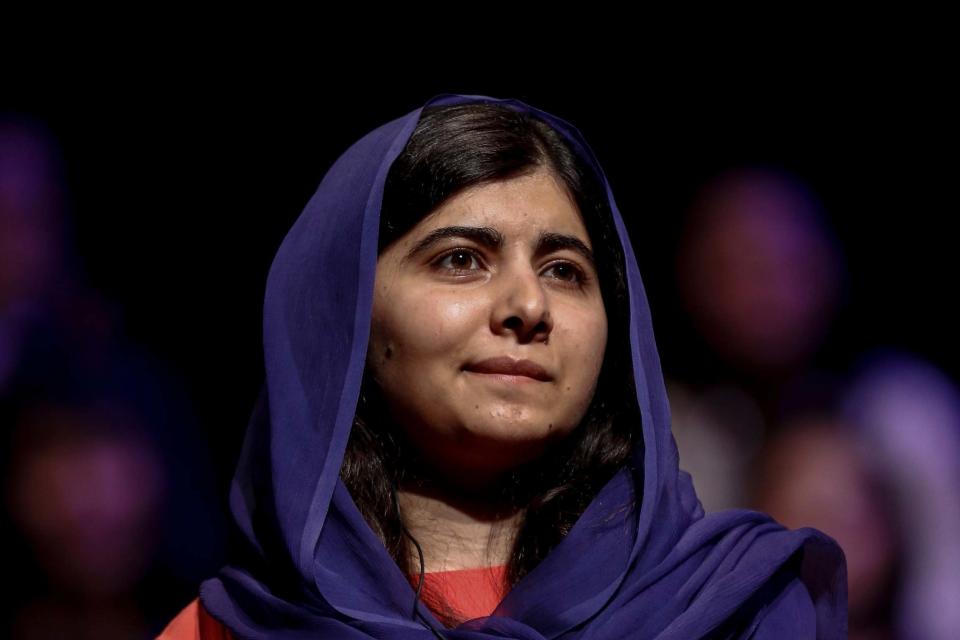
(456, 530)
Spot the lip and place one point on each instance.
(509, 368)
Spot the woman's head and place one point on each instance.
(542, 281)
(499, 270)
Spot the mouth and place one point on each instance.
(507, 369)
(506, 378)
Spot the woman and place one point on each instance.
(462, 376)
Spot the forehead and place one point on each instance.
(519, 208)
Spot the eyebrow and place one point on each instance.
(492, 239)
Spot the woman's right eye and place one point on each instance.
(459, 259)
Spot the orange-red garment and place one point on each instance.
(194, 623)
(471, 593)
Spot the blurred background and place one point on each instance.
(791, 220)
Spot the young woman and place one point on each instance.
(464, 431)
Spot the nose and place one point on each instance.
(522, 307)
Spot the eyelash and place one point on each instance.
(580, 280)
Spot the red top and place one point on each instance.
(471, 593)
(194, 623)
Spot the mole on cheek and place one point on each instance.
(388, 353)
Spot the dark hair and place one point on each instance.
(454, 148)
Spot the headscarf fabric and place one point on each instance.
(310, 566)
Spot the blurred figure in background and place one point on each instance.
(815, 472)
(34, 263)
(85, 491)
(761, 278)
(869, 457)
(906, 413)
(760, 271)
(62, 350)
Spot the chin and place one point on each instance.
(518, 440)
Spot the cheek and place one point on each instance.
(587, 337)
(588, 341)
(419, 330)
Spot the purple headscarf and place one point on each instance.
(311, 567)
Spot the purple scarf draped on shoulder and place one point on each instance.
(311, 567)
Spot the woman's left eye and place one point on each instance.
(569, 272)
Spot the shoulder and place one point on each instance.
(195, 623)
(792, 611)
(793, 603)
(790, 614)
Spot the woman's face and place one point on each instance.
(502, 270)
